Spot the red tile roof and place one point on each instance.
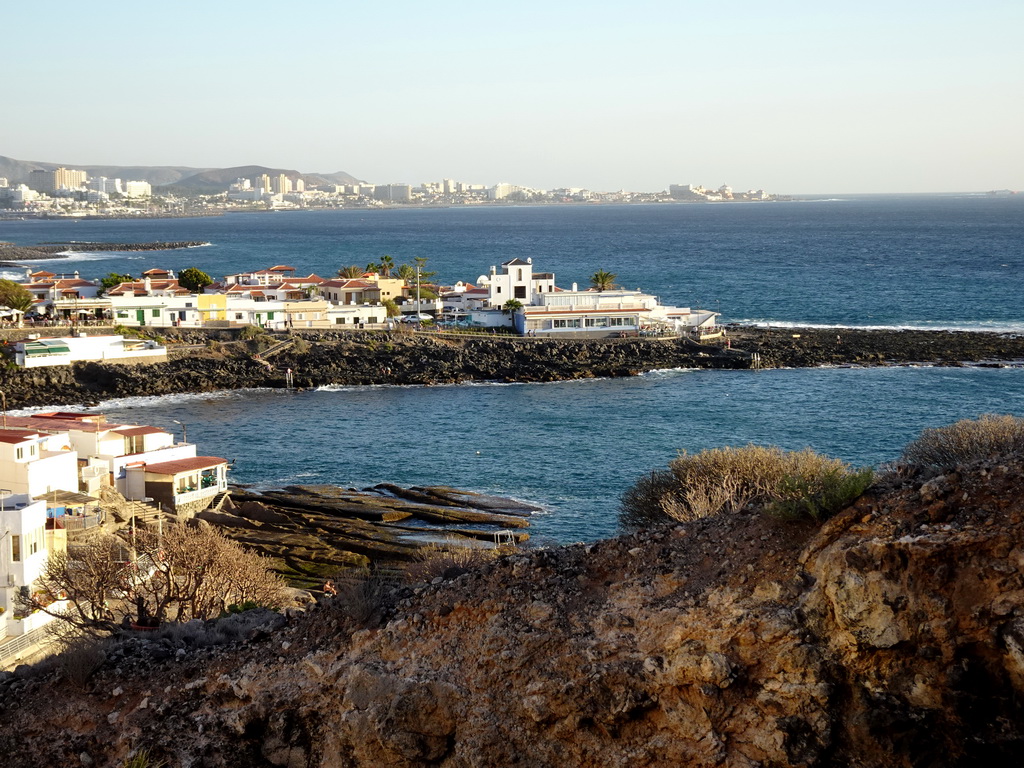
(13, 436)
(130, 431)
(185, 465)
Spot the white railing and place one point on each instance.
(202, 493)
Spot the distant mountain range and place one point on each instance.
(173, 177)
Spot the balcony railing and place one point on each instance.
(201, 493)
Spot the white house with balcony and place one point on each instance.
(183, 486)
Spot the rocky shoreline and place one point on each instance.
(208, 361)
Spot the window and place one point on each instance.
(498, 290)
(238, 315)
(339, 320)
(15, 549)
(156, 313)
(520, 291)
(20, 454)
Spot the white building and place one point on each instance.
(137, 189)
(36, 463)
(135, 459)
(41, 352)
(516, 281)
(23, 554)
(550, 311)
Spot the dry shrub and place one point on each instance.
(447, 561)
(79, 660)
(652, 499)
(724, 480)
(363, 596)
(990, 436)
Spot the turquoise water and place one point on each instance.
(929, 262)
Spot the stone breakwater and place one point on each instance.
(370, 358)
(10, 253)
(380, 358)
(890, 637)
(812, 347)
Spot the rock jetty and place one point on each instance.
(360, 358)
(11, 254)
(812, 347)
(890, 637)
(207, 361)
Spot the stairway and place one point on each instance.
(218, 501)
(145, 513)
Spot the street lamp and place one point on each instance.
(184, 433)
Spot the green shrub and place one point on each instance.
(250, 332)
(989, 436)
(725, 480)
(820, 497)
(142, 759)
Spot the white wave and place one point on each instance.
(667, 372)
(148, 401)
(80, 256)
(980, 326)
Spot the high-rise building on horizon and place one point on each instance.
(61, 178)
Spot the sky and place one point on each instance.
(791, 97)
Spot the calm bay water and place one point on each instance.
(933, 262)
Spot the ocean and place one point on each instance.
(934, 262)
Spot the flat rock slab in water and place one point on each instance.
(312, 531)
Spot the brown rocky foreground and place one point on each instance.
(891, 636)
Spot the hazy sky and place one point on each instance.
(811, 96)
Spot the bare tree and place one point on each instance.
(188, 573)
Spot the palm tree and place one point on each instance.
(351, 271)
(407, 272)
(603, 281)
(511, 306)
(373, 267)
(386, 265)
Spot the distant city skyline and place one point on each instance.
(790, 97)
